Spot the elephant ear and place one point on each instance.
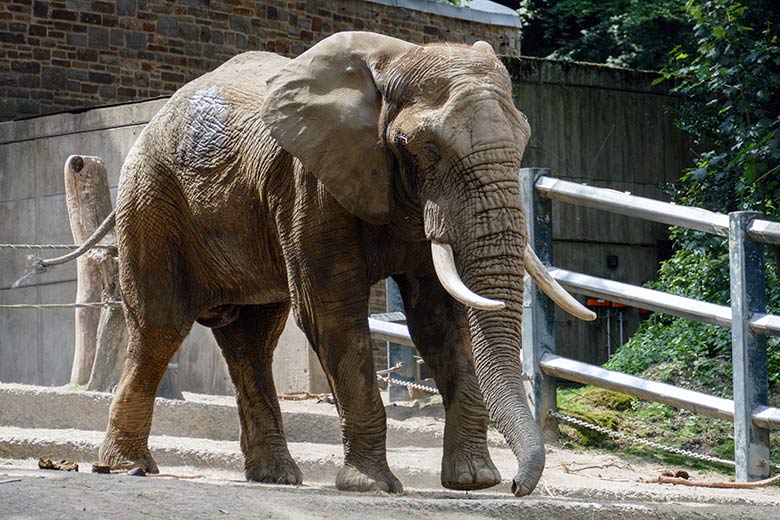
(323, 107)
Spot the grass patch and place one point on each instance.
(647, 420)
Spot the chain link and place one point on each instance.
(633, 438)
(606, 431)
(408, 384)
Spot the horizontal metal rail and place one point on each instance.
(585, 373)
(626, 294)
(697, 402)
(764, 231)
(644, 298)
(746, 232)
(633, 206)
(388, 331)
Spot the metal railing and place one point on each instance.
(746, 316)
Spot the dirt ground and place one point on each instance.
(574, 486)
(29, 493)
(63, 423)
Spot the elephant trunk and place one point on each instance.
(496, 343)
(492, 289)
(487, 235)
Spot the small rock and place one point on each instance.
(101, 468)
(682, 474)
(137, 472)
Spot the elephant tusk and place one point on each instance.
(553, 289)
(444, 264)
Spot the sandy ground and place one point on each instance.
(27, 493)
(574, 485)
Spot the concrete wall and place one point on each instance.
(37, 346)
(610, 128)
(606, 127)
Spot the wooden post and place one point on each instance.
(101, 333)
(749, 358)
(111, 348)
(89, 203)
(538, 309)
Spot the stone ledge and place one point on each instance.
(210, 417)
(502, 19)
(80, 120)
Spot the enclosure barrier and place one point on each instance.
(746, 317)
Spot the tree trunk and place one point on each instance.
(89, 203)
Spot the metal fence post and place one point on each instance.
(748, 296)
(397, 353)
(538, 309)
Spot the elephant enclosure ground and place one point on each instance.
(34, 494)
(198, 437)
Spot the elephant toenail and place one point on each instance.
(465, 478)
(486, 475)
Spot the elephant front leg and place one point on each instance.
(326, 274)
(440, 332)
(343, 344)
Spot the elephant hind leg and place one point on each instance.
(248, 344)
(126, 444)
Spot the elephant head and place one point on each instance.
(386, 125)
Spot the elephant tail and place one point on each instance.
(41, 265)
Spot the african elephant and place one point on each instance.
(270, 183)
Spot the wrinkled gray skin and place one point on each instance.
(272, 183)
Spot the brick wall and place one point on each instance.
(62, 54)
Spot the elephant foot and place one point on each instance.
(280, 470)
(464, 472)
(350, 478)
(126, 455)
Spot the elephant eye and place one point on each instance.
(431, 152)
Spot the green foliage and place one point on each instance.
(679, 344)
(685, 352)
(734, 113)
(608, 399)
(731, 115)
(625, 33)
(647, 420)
(729, 84)
(578, 404)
